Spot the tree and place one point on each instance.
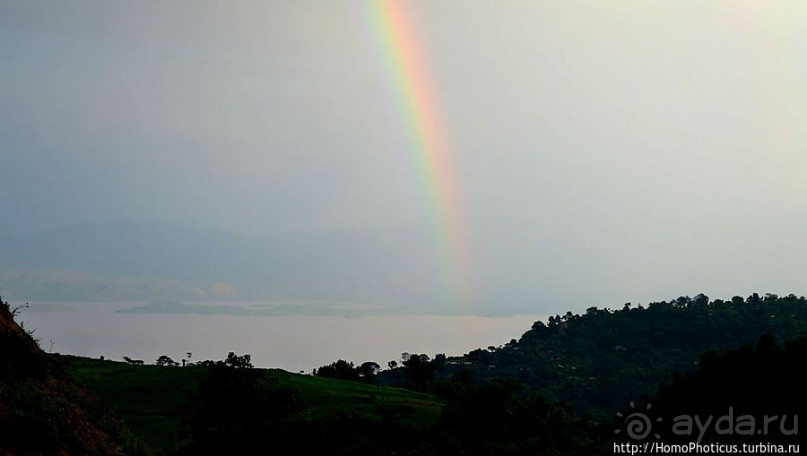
(165, 361)
(419, 369)
(368, 370)
(340, 369)
(238, 362)
(701, 300)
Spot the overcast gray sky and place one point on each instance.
(608, 151)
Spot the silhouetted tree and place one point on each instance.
(419, 370)
(165, 361)
(238, 362)
(340, 369)
(368, 371)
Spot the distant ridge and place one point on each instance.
(152, 262)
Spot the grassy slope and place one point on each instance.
(153, 400)
(150, 399)
(326, 398)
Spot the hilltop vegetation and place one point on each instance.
(601, 360)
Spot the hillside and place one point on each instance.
(227, 407)
(604, 359)
(43, 411)
(161, 403)
(761, 385)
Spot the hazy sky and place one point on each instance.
(604, 150)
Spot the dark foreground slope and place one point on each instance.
(42, 411)
(745, 401)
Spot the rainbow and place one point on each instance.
(417, 99)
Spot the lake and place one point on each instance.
(293, 343)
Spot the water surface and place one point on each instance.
(294, 343)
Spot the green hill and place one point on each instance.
(603, 359)
(158, 403)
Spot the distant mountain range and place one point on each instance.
(149, 261)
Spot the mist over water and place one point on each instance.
(292, 343)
